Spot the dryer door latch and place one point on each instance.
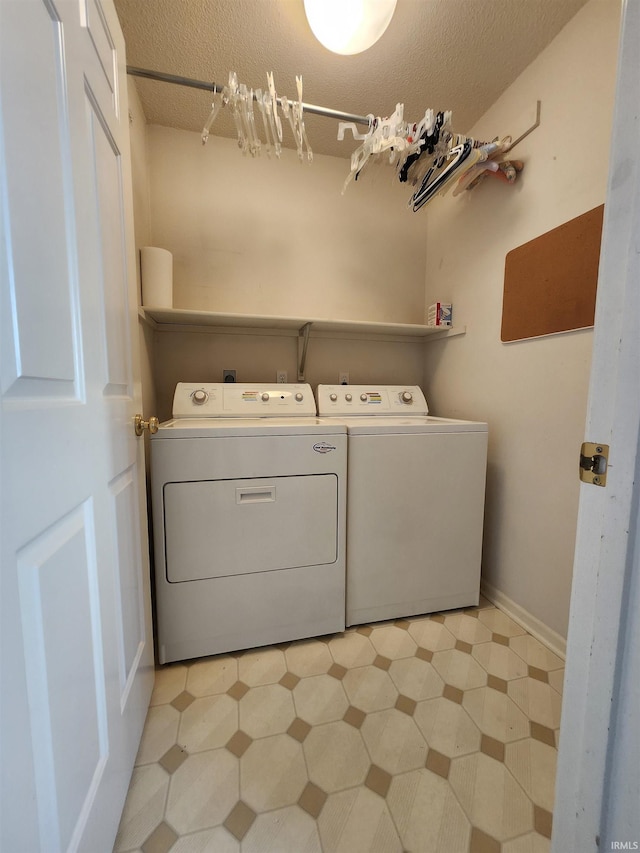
(594, 459)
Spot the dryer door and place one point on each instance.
(217, 528)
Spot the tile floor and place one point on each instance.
(433, 734)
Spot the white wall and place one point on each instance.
(532, 393)
(201, 357)
(277, 237)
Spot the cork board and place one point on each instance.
(550, 282)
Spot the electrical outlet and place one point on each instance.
(343, 377)
(228, 375)
(281, 376)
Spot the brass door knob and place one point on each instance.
(140, 425)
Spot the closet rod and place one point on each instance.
(214, 87)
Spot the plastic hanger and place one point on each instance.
(298, 113)
(288, 114)
(271, 107)
(259, 96)
(215, 109)
(234, 101)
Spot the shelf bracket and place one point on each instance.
(303, 343)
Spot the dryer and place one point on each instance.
(415, 502)
(249, 500)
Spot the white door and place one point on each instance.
(76, 651)
(598, 781)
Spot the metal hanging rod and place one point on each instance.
(214, 87)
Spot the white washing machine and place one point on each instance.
(249, 499)
(415, 503)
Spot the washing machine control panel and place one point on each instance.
(371, 400)
(242, 400)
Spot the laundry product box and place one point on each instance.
(439, 314)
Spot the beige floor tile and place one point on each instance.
(208, 723)
(352, 649)
(447, 727)
(534, 653)
(491, 797)
(308, 657)
(459, 669)
(427, 814)
(288, 830)
(320, 699)
(144, 807)
(469, 629)
(336, 756)
(533, 764)
(216, 840)
(393, 642)
(170, 682)
(495, 714)
(556, 680)
(264, 666)
(203, 791)
(159, 735)
(370, 688)
(499, 623)
(212, 675)
(358, 821)
(161, 839)
(532, 842)
(266, 710)
(431, 635)
(500, 661)
(273, 773)
(416, 678)
(539, 701)
(394, 741)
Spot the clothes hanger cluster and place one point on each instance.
(240, 99)
(428, 155)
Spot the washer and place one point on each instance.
(248, 495)
(415, 502)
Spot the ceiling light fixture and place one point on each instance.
(349, 26)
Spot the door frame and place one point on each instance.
(597, 780)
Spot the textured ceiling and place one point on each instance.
(445, 54)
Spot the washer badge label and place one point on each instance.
(324, 447)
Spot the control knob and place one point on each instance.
(299, 397)
(333, 397)
(199, 397)
(348, 398)
(265, 397)
(363, 397)
(406, 397)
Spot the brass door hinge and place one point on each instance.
(594, 459)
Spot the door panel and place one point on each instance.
(42, 327)
(60, 614)
(131, 627)
(109, 220)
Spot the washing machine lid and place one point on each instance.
(233, 427)
(409, 426)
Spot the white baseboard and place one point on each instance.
(553, 641)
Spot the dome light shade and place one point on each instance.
(349, 26)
